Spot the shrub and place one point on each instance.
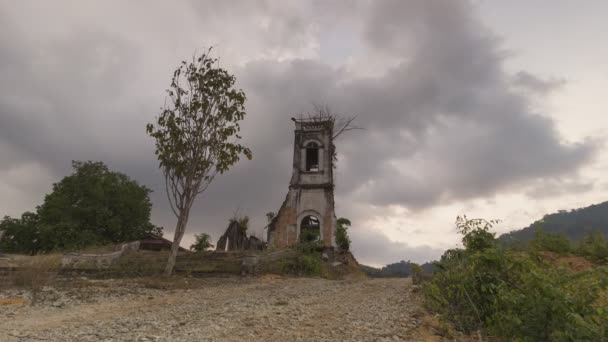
(309, 235)
(303, 265)
(551, 242)
(595, 247)
(342, 239)
(512, 295)
(306, 261)
(202, 243)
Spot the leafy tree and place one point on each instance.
(92, 206)
(202, 243)
(342, 239)
(196, 135)
(20, 235)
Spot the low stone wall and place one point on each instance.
(71, 260)
(253, 263)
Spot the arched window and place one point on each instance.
(312, 156)
(310, 229)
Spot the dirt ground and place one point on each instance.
(267, 308)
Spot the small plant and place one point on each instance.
(304, 265)
(309, 235)
(342, 239)
(202, 242)
(242, 221)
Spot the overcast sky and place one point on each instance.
(493, 109)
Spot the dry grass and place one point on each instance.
(36, 272)
(13, 301)
(572, 263)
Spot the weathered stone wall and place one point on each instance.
(98, 260)
(285, 228)
(282, 230)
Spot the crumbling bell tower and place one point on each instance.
(308, 211)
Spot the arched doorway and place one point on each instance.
(310, 229)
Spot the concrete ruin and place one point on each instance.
(235, 239)
(307, 214)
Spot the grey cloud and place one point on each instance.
(442, 125)
(556, 187)
(528, 81)
(374, 248)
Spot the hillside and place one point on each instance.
(399, 269)
(574, 224)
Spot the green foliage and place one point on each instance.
(244, 223)
(304, 265)
(202, 242)
(514, 295)
(342, 239)
(93, 206)
(196, 135)
(306, 261)
(551, 242)
(595, 247)
(21, 235)
(310, 247)
(309, 235)
(399, 269)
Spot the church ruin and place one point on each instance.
(307, 214)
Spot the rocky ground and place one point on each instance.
(222, 309)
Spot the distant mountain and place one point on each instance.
(399, 269)
(574, 224)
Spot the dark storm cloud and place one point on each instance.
(442, 126)
(443, 123)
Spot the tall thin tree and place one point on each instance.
(197, 135)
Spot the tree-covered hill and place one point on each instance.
(574, 224)
(395, 270)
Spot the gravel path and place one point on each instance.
(233, 309)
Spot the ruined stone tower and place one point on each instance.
(308, 211)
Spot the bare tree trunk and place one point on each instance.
(180, 229)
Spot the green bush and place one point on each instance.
(202, 242)
(595, 247)
(304, 265)
(342, 239)
(551, 242)
(306, 261)
(512, 295)
(309, 236)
